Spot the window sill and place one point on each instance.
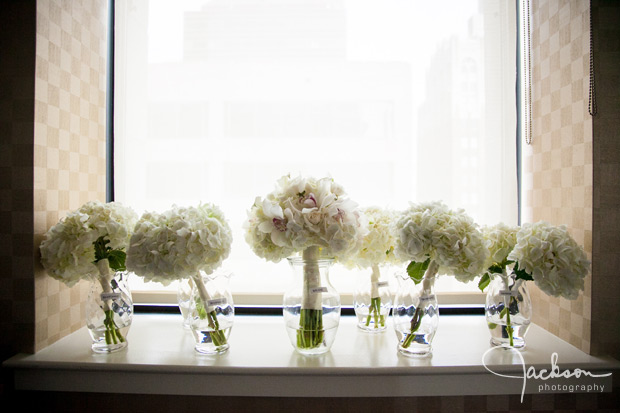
(261, 362)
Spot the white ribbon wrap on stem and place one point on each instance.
(311, 298)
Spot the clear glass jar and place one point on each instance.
(212, 312)
(311, 306)
(372, 300)
(508, 310)
(415, 316)
(109, 309)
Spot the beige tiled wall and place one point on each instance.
(572, 168)
(558, 163)
(69, 141)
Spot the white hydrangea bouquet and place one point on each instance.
(539, 252)
(376, 250)
(438, 240)
(313, 217)
(178, 244)
(548, 255)
(90, 241)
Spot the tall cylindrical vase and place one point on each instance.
(212, 312)
(508, 310)
(311, 307)
(416, 315)
(109, 309)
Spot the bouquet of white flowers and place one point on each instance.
(551, 257)
(90, 242)
(438, 240)
(310, 216)
(179, 244)
(377, 249)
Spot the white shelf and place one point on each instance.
(261, 362)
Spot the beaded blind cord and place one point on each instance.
(527, 72)
(592, 108)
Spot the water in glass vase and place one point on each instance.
(419, 345)
(106, 342)
(327, 335)
(500, 332)
(209, 341)
(371, 321)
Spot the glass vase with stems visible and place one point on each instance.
(109, 309)
(416, 313)
(212, 312)
(372, 301)
(508, 310)
(311, 307)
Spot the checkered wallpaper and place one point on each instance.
(69, 141)
(558, 165)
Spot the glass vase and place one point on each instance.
(311, 307)
(415, 316)
(212, 312)
(508, 311)
(109, 309)
(184, 298)
(372, 301)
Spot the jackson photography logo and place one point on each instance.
(553, 380)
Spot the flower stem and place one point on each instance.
(202, 306)
(310, 333)
(374, 311)
(507, 302)
(113, 334)
(420, 311)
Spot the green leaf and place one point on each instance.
(522, 274)
(492, 326)
(116, 258)
(200, 309)
(496, 269)
(101, 249)
(416, 270)
(484, 282)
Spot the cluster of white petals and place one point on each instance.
(378, 245)
(449, 238)
(302, 213)
(552, 257)
(499, 239)
(67, 252)
(179, 243)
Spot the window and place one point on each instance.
(397, 100)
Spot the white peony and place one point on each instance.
(67, 252)
(179, 243)
(377, 246)
(552, 257)
(449, 238)
(302, 213)
(499, 239)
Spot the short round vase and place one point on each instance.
(508, 311)
(212, 312)
(109, 311)
(415, 316)
(311, 307)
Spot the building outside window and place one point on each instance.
(399, 101)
